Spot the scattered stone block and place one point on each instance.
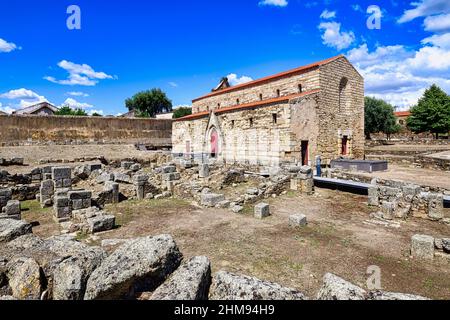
(237, 208)
(61, 173)
(112, 190)
(25, 279)
(203, 170)
(262, 210)
(298, 220)
(136, 167)
(307, 186)
(101, 223)
(140, 183)
(12, 210)
(374, 196)
(171, 176)
(104, 177)
(422, 247)
(388, 210)
(228, 286)
(436, 206)
(211, 199)
(253, 191)
(140, 265)
(11, 229)
(122, 178)
(169, 169)
(190, 281)
(446, 245)
(223, 204)
(126, 165)
(336, 288)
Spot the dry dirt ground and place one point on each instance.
(338, 239)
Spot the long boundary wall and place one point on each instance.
(36, 130)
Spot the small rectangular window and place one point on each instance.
(274, 118)
(232, 124)
(237, 101)
(261, 97)
(251, 122)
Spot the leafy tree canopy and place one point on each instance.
(432, 113)
(68, 111)
(182, 112)
(379, 117)
(149, 103)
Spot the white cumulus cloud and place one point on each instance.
(79, 74)
(425, 8)
(234, 80)
(74, 104)
(439, 23)
(328, 14)
(275, 3)
(77, 94)
(333, 36)
(27, 97)
(6, 46)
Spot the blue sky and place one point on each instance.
(185, 47)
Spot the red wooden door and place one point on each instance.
(345, 146)
(214, 143)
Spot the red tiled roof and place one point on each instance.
(402, 113)
(269, 78)
(248, 105)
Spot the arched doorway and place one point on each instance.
(214, 143)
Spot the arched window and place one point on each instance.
(260, 97)
(278, 92)
(300, 88)
(237, 101)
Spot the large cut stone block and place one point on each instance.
(227, 286)
(171, 176)
(140, 265)
(436, 206)
(191, 281)
(298, 220)
(101, 223)
(79, 195)
(374, 196)
(262, 210)
(212, 199)
(61, 173)
(422, 247)
(203, 170)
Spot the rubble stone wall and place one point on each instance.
(25, 130)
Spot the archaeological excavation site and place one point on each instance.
(267, 191)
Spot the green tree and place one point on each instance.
(149, 103)
(96, 114)
(68, 111)
(182, 112)
(379, 117)
(432, 113)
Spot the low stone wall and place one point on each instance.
(399, 199)
(37, 130)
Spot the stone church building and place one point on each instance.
(290, 117)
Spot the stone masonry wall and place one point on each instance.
(26, 130)
(341, 112)
(287, 86)
(271, 134)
